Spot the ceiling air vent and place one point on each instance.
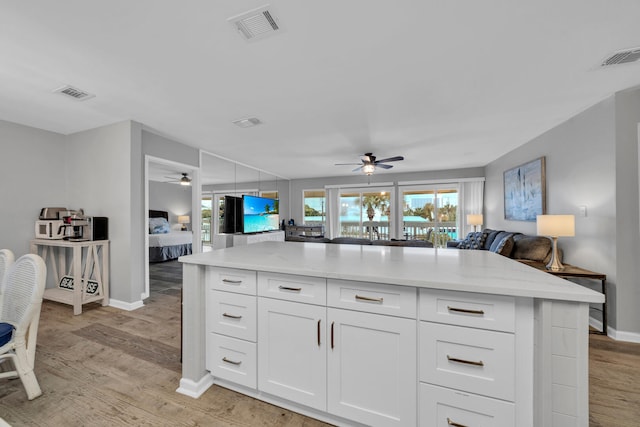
(74, 93)
(247, 122)
(257, 23)
(622, 57)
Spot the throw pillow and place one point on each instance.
(498, 238)
(474, 240)
(505, 246)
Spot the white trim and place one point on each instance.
(441, 181)
(622, 335)
(196, 211)
(374, 184)
(195, 389)
(231, 192)
(128, 306)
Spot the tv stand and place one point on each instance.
(268, 236)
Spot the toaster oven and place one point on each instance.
(50, 229)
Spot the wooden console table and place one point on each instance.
(571, 271)
(89, 263)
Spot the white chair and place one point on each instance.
(6, 259)
(22, 291)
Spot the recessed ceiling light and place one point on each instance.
(74, 92)
(247, 122)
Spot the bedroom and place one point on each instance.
(169, 216)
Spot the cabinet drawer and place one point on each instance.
(232, 314)
(496, 312)
(372, 297)
(232, 280)
(443, 407)
(310, 290)
(232, 359)
(472, 360)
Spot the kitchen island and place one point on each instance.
(378, 335)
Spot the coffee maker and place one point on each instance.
(73, 223)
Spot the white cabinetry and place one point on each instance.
(372, 368)
(231, 328)
(292, 358)
(292, 353)
(471, 365)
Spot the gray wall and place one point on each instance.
(582, 169)
(175, 199)
(99, 180)
(32, 176)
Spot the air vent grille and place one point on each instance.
(247, 122)
(623, 57)
(257, 23)
(74, 93)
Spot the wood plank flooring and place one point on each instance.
(109, 367)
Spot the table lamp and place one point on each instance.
(475, 220)
(555, 226)
(184, 219)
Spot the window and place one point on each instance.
(205, 208)
(314, 207)
(430, 213)
(366, 214)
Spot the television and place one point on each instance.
(232, 216)
(259, 214)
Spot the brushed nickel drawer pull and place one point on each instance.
(232, 316)
(233, 362)
(454, 424)
(233, 282)
(287, 288)
(466, 362)
(361, 298)
(465, 310)
(319, 332)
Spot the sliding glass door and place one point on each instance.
(430, 213)
(366, 213)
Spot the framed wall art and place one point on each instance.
(525, 193)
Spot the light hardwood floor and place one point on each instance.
(109, 367)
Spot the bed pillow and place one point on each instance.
(159, 226)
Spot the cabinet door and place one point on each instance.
(372, 374)
(292, 351)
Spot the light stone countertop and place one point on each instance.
(450, 269)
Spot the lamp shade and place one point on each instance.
(184, 219)
(474, 219)
(556, 225)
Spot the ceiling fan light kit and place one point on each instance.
(369, 163)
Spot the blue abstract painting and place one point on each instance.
(525, 191)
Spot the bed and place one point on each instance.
(164, 243)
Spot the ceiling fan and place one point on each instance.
(184, 180)
(369, 163)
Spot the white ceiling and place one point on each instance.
(447, 84)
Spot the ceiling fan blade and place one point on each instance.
(383, 166)
(390, 159)
(357, 169)
(346, 164)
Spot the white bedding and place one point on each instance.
(170, 239)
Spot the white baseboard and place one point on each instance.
(195, 389)
(128, 306)
(614, 334)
